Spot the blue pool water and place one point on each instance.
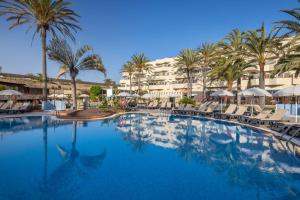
(141, 156)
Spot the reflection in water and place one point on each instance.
(64, 179)
(247, 157)
(241, 159)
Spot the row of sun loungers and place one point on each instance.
(19, 107)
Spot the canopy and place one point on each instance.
(84, 96)
(289, 91)
(135, 95)
(174, 95)
(221, 93)
(148, 96)
(10, 93)
(255, 92)
(123, 94)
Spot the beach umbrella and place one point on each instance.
(123, 94)
(148, 96)
(289, 92)
(221, 93)
(10, 93)
(254, 92)
(84, 96)
(135, 95)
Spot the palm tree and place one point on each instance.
(130, 70)
(72, 61)
(140, 63)
(292, 26)
(288, 62)
(208, 53)
(226, 69)
(260, 48)
(45, 16)
(187, 62)
(233, 48)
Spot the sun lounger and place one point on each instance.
(6, 106)
(150, 105)
(230, 110)
(202, 107)
(187, 109)
(163, 105)
(155, 105)
(179, 109)
(251, 119)
(278, 115)
(210, 109)
(239, 113)
(169, 105)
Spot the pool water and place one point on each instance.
(142, 156)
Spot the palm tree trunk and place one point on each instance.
(262, 82)
(189, 84)
(74, 92)
(130, 77)
(229, 85)
(239, 87)
(262, 75)
(204, 83)
(44, 63)
(139, 85)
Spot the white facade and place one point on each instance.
(163, 81)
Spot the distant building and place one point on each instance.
(163, 80)
(30, 85)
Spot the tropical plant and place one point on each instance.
(225, 70)
(44, 16)
(292, 26)
(141, 64)
(130, 70)
(208, 53)
(260, 48)
(72, 61)
(187, 100)
(95, 92)
(187, 63)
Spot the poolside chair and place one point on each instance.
(210, 109)
(169, 105)
(163, 105)
(15, 108)
(187, 109)
(179, 109)
(25, 107)
(150, 105)
(202, 107)
(155, 105)
(251, 119)
(230, 110)
(6, 106)
(238, 113)
(277, 116)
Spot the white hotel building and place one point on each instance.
(163, 81)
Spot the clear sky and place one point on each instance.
(159, 28)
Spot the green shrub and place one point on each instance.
(186, 100)
(2, 87)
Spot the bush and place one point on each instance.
(2, 87)
(186, 100)
(95, 92)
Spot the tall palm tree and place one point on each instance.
(292, 26)
(72, 61)
(187, 62)
(226, 69)
(130, 70)
(208, 53)
(141, 64)
(44, 16)
(260, 48)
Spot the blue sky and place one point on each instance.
(159, 28)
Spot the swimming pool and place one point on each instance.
(142, 156)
